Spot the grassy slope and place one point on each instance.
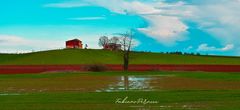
(72, 100)
(72, 56)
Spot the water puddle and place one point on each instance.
(157, 83)
(133, 83)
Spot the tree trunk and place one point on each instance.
(126, 61)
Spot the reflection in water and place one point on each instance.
(128, 83)
(166, 82)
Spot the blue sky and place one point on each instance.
(207, 27)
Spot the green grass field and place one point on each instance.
(80, 91)
(100, 90)
(75, 56)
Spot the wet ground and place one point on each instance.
(98, 91)
(90, 83)
(158, 83)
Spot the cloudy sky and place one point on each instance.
(205, 26)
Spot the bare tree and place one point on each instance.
(114, 40)
(103, 41)
(126, 41)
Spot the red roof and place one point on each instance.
(74, 40)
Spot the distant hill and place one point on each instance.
(77, 56)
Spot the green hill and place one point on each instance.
(76, 56)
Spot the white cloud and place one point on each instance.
(12, 44)
(48, 37)
(124, 6)
(228, 47)
(164, 28)
(206, 47)
(219, 18)
(87, 18)
(69, 4)
(188, 48)
(11, 40)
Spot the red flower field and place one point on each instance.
(14, 69)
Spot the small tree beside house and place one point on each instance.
(103, 41)
(110, 44)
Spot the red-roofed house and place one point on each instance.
(112, 46)
(75, 43)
